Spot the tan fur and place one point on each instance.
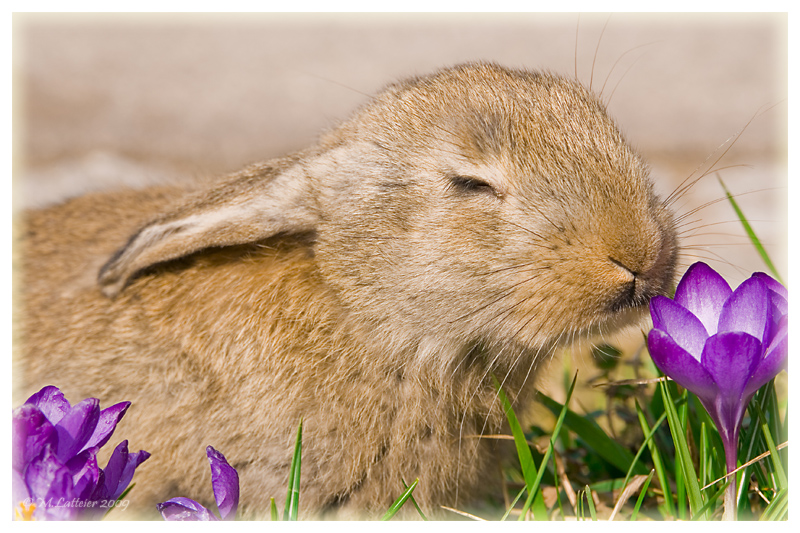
(362, 284)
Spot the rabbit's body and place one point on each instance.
(201, 337)
(459, 227)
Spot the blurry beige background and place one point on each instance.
(136, 99)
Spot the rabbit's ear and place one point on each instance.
(258, 203)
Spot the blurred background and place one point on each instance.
(102, 100)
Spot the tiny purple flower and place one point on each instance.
(720, 344)
(55, 475)
(224, 482)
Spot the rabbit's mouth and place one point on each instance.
(637, 286)
(635, 294)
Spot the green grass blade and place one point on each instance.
(715, 465)
(683, 409)
(681, 500)
(758, 409)
(751, 441)
(703, 454)
(647, 440)
(399, 502)
(684, 458)
(772, 409)
(594, 437)
(658, 464)
(590, 503)
(556, 430)
(293, 492)
(778, 508)
(121, 496)
(713, 499)
(750, 233)
(421, 514)
(524, 452)
(780, 473)
(273, 510)
(513, 503)
(559, 506)
(642, 493)
(763, 411)
(534, 493)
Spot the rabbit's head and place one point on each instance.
(475, 204)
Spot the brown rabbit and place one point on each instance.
(461, 226)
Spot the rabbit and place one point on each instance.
(458, 229)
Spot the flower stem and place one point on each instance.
(729, 500)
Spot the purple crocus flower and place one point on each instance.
(55, 475)
(720, 344)
(224, 482)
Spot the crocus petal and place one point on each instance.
(106, 424)
(703, 292)
(31, 432)
(113, 470)
(727, 415)
(680, 324)
(778, 307)
(76, 427)
(120, 469)
(51, 402)
(680, 365)
(746, 309)
(781, 304)
(731, 358)
(133, 462)
(225, 482)
(48, 480)
(184, 509)
(85, 473)
(46, 476)
(775, 359)
(780, 338)
(773, 285)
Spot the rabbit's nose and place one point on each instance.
(638, 286)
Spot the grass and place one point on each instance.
(292, 503)
(671, 469)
